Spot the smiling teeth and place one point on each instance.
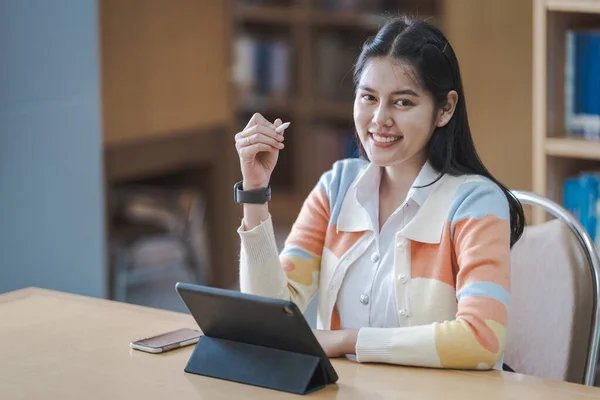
(385, 139)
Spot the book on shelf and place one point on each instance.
(582, 83)
(581, 198)
(261, 67)
(331, 5)
(333, 71)
(264, 3)
(358, 5)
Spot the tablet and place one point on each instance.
(252, 319)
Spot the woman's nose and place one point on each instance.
(381, 117)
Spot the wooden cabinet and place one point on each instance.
(166, 105)
(164, 67)
(493, 43)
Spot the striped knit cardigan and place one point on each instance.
(455, 252)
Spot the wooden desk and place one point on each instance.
(62, 346)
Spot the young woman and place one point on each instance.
(407, 247)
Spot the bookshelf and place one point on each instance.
(556, 154)
(573, 148)
(321, 44)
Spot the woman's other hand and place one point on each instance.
(337, 343)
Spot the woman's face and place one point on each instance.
(394, 116)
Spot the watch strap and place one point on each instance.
(254, 196)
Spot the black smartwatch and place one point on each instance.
(256, 196)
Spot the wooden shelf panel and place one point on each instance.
(345, 19)
(151, 87)
(579, 6)
(269, 14)
(288, 15)
(266, 104)
(573, 148)
(336, 110)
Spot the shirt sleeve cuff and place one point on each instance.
(373, 345)
(258, 244)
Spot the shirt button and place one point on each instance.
(402, 278)
(375, 257)
(364, 299)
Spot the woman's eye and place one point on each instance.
(404, 102)
(368, 97)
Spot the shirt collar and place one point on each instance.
(428, 223)
(368, 183)
(426, 177)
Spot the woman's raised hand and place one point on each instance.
(258, 147)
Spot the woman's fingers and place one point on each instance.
(249, 152)
(258, 119)
(259, 135)
(259, 129)
(246, 141)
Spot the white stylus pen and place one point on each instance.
(282, 127)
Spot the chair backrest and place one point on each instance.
(553, 315)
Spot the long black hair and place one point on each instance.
(450, 149)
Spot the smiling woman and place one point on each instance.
(407, 247)
(392, 112)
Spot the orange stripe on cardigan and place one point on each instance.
(309, 230)
(335, 321)
(428, 260)
(485, 308)
(340, 243)
(483, 251)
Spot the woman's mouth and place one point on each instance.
(384, 141)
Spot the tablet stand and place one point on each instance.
(256, 365)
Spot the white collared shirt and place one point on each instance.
(367, 295)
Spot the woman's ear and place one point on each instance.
(446, 113)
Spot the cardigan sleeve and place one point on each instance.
(293, 274)
(480, 231)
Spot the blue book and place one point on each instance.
(584, 97)
(592, 108)
(570, 196)
(581, 81)
(580, 198)
(262, 66)
(569, 81)
(581, 54)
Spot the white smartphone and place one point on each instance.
(167, 341)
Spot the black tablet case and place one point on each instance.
(243, 341)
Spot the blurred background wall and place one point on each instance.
(494, 44)
(51, 200)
